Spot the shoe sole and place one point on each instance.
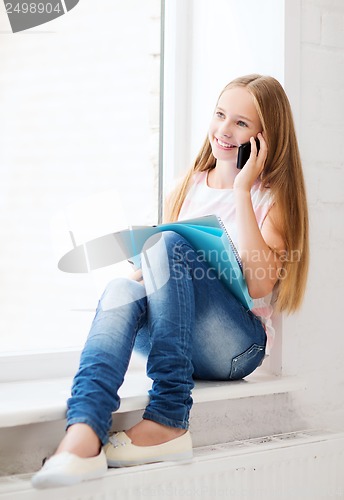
(176, 457)
(59, 480)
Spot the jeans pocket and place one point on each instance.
(247, 362)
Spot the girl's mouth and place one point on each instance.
(224, 145)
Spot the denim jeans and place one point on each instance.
(183, 319)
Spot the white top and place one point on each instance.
(204, 200)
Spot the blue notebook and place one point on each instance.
(207, 235)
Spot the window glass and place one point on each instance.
(79, 148)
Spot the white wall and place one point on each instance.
(313, 339)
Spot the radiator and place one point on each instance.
(305, 465)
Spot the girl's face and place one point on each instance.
(235, 120)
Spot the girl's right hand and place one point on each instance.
(254, 166)
(137, 276)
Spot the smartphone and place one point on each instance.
(244, 153)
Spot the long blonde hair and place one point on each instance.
(282, 174)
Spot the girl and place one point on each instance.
(192, 327)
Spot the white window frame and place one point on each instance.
(176, 126)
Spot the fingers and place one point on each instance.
(136, 275)
(258, 158)
(253, 146)
(263, 148)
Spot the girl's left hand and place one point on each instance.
(253, 167)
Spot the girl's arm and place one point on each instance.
(259, 250)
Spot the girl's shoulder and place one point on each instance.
(176, 184)
(199, 177)
(262, 202)
(260, 193)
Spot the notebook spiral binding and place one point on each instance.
(235, 251)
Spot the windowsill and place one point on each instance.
(34, 401)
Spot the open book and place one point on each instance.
(207, 235)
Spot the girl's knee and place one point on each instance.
(120, 292)
(164, 244)
(173, 239)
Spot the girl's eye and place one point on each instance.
(219, 114)
(242, 124)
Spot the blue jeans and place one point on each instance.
(183, 319)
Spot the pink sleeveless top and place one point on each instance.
(203, 200)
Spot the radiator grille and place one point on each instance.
(296, 466)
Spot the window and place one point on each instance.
(72, 104)
(79, 151)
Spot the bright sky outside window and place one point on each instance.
(79, 152)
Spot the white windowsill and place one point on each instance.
(33, 401)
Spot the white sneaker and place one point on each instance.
(121, 452)
(65, 469)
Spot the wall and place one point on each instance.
(313, 339)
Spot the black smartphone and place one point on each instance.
(244, 152)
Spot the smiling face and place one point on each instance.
(235, 120)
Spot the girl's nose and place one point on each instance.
(226, 130)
